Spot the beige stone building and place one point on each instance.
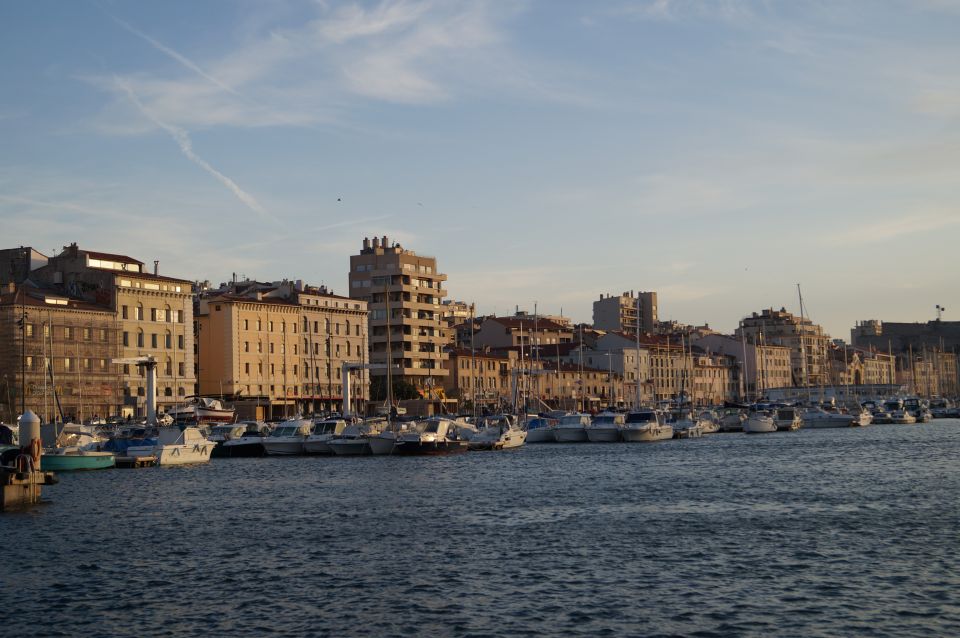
(278, 349)
(387, 276)
(524, 330)
(760, 367)
(154, 316)
(626, 313)
(806, 340)
(77, 339)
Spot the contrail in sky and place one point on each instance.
(186, 147)
(187, 62)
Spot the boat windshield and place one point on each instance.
(285, 431)
(572, 419)
(641, 417)
(432, 427)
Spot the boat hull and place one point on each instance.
(73, 462)
(647, 434)
(283, 448)
(184, 454)
(382, 445)
(240, 450)
(541, 435)
(571, 435)
(350, 447)
(603, 435)
(759, 425)
(317, 446)
(429, 448)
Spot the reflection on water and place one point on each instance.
(830, 532)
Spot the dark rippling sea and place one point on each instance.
(849, 532)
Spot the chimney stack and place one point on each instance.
(376, 242)
(156, 266)
(384, 241)
(366, 243)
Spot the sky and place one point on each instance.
(718, 152)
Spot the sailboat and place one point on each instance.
(80, 455)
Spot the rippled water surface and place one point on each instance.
(820, 532)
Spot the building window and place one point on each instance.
(139, 314)
(259, 346)
(168, 316)
(126, 338)
(153, 340)
(246, 368)
(28, 362)
(67, 332)
(140, 339)
(260, 369)
(123, 312)
(271, 369)
(271, 348)
(167, 341)
(270, 325)
(259, 325)
(46, 331)
(103, 364)
(246, 324)
(180, 341)
(246, 346)
(103, 334)
(67, 364)
(141, 392)
(126, 368)
(87, 334)
(153, 314)
(180, 369)
(168, 369)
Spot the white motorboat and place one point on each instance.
(645, 425)
(435, 436)
(248, 444)
(760, 422)
(572, 428)
(351, 442)
(541, 430)
(382, 443)
(732, 420)
(322, 433)
(605, 427)
(787, 418)
(709, 422)
(902, 417)
(287, 438)
(202, 410)
(686, 427)
(499, 432)
(818, 418)
(176, 447)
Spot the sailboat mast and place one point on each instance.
(637, 404)
(386, 303)
(803, 346)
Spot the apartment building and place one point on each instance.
(404, 293)
(523, 330)
(627, 312)
(278, 349)
(56, 355)
(153, 314)
(806, 340)
(760, 367)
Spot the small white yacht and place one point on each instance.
(498, 432)
(685, 426)
(787, 418)
(732, 420)
(818, 418)
(572, 428)
(287, 438)
(435, 436)
(709, 422)
(248, 444)
(760, 422)
(541, 430)
(645, 425)
(176, 447)
(353, 441)
(605, 427)
(322, 433)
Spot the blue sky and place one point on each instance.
(718, 152)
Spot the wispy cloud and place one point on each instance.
(182, 59)
(182, 139)
(892, 229)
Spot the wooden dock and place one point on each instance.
(133, 462)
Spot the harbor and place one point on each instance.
(781, 534)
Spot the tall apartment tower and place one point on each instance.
(619, 314)
(385, 275)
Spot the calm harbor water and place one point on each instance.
(816, 532)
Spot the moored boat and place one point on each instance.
(324, 431)
(437, 436)
(605, 427)
(177, 447)
(541, 430)
(759, 422)
(287, 438)
(644, 426)
(71, 458)
(572, 428)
